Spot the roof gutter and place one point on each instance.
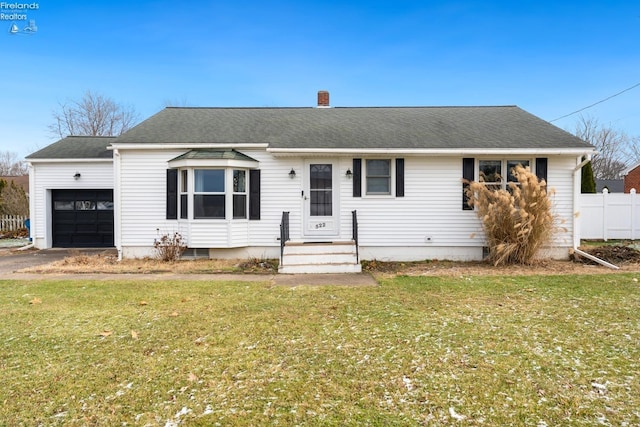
(426, 151)
(182, 146)
(84, 160)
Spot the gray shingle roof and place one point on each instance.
(214, 154)
(502, 127)
(77, 147)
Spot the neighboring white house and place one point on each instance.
(223, 177)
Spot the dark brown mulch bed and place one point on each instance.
(615, 254)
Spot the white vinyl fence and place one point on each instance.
(11, 222)
(607, 215)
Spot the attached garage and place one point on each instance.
(72, 194)
(82, 218)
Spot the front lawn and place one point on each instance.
(534, 350)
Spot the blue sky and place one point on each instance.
(548, 57)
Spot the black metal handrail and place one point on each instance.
(284, 233)
(354, 232)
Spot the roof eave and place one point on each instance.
(83, 160)
(431, 151)
(183, 145)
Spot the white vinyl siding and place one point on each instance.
(143, 196)
(427, 218)
(143, 203)
(45, 177)
(430, 207)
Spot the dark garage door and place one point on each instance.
(82, 218)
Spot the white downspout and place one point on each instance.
(117, 205)
(33, 215)
(577, 178)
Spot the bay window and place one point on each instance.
(212, 191)
(213, 184)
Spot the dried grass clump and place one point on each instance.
(517, 222)
(78, 259)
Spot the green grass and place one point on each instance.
(611, 242)
(554, 350)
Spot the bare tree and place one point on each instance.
(613, 148)
(176, 102)
(11, 165)
(634, 151)
(92, 115)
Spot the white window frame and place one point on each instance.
(235, 193)
(184, 180)
(504, 165)
(228, 193)
(392, 178)
(223, 193)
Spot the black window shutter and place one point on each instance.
(541, 168)
(172, 193)
(254, 194)
(399, 177)
(357, 177)
(468, 172)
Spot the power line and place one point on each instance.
(596, 103)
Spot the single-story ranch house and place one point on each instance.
(320, 185)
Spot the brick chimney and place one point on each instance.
(323, 99)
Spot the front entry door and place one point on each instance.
(320, 199)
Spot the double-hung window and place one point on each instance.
(209, 193)
(378, 178)
(184, 194)
(239, 194)
(496, 174)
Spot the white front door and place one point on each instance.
(321, 198)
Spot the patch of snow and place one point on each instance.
(598, 386)
(407, 383)
(455, 415)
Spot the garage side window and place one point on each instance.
(208, 196)
(63, 205)
(104, 205)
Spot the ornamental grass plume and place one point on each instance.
(517, 221)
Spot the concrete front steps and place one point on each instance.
(319, 257)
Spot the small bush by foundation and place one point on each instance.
(169, 247)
